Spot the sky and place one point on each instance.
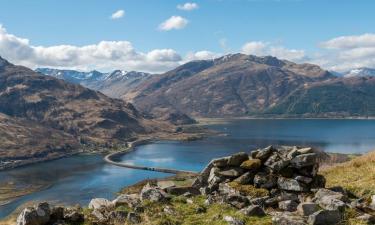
(158, 35)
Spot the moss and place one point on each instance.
(251, 164)
(250, 190)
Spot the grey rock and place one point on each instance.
(153, 194)
(288, 218)
(283, 196)
(233, 221)
(246, 178)
(367, 218)
(304, 160)
(237, 159)
(271, 201)
(330, 202)
(169, 210)
(325, 217)
(263, 180)
(98, 203)
(100, 215)
(305, 150)
(326, 192)
(73, 215)
(221, 162)
(237, 201)
(57, 213)
(372, 204)
(261, 201)
(130, 200)
(263, 154)
(303, 179)
(289, 184)
(118, 217)
(307, 208)
(28, 217)
(288, 205)
(233, 172)
(134, 218)
(253, 210)
(276, 163)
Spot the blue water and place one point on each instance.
(78, 179)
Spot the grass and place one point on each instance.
(249, 190)
(187, 213)
(357, 175)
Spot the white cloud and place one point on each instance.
(201, 55)
(348, 52)
(118, 14)
(260, 48)
(105, 55)
(174, 22)
(188, 6)
(349, 42)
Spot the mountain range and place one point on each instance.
(45, 117)
(238, 85)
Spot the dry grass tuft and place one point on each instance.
(357, 175)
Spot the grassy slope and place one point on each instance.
(357, 175)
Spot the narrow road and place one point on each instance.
(109, 159)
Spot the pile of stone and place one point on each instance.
(280, 181)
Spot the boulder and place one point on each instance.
(289, 184)
(330, 202)
(288, 205)
(264, 180)
(307, 208)
(288, 218)
(233, 221)
(183, 190)
(366, 218)
(40, 214)
(263, 154)
(237, 159)
(153, 194)
(221, 162)
(98, 203)
(231, 173)
(276, 163)
(304, 160)
(237, 201)
(246, 178)
(28, 217)
(303, 179)
(326, 192)
(73, 215)
(251, 164)
(372, 204)
(100, 215)
(260, 201)
(117, 217)
(325, 217)
(134, 218)
(131, 200)
(305, 150)
(253, 210)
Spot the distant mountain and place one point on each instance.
(360, 72)
(344, 97)
(232, 85)
(113, 84)
(41, 115)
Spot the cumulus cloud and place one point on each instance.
(118, 14)
(105, 55)
(174, 22)
(350, 42)
(201, 55)
(347, 52)
(260, 48)
(188, 6)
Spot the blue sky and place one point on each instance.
(215, 26)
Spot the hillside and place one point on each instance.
(42, 115)
(346, 97)
(233, 85)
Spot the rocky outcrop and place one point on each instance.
(281, 178)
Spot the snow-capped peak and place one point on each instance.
(360, 72)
